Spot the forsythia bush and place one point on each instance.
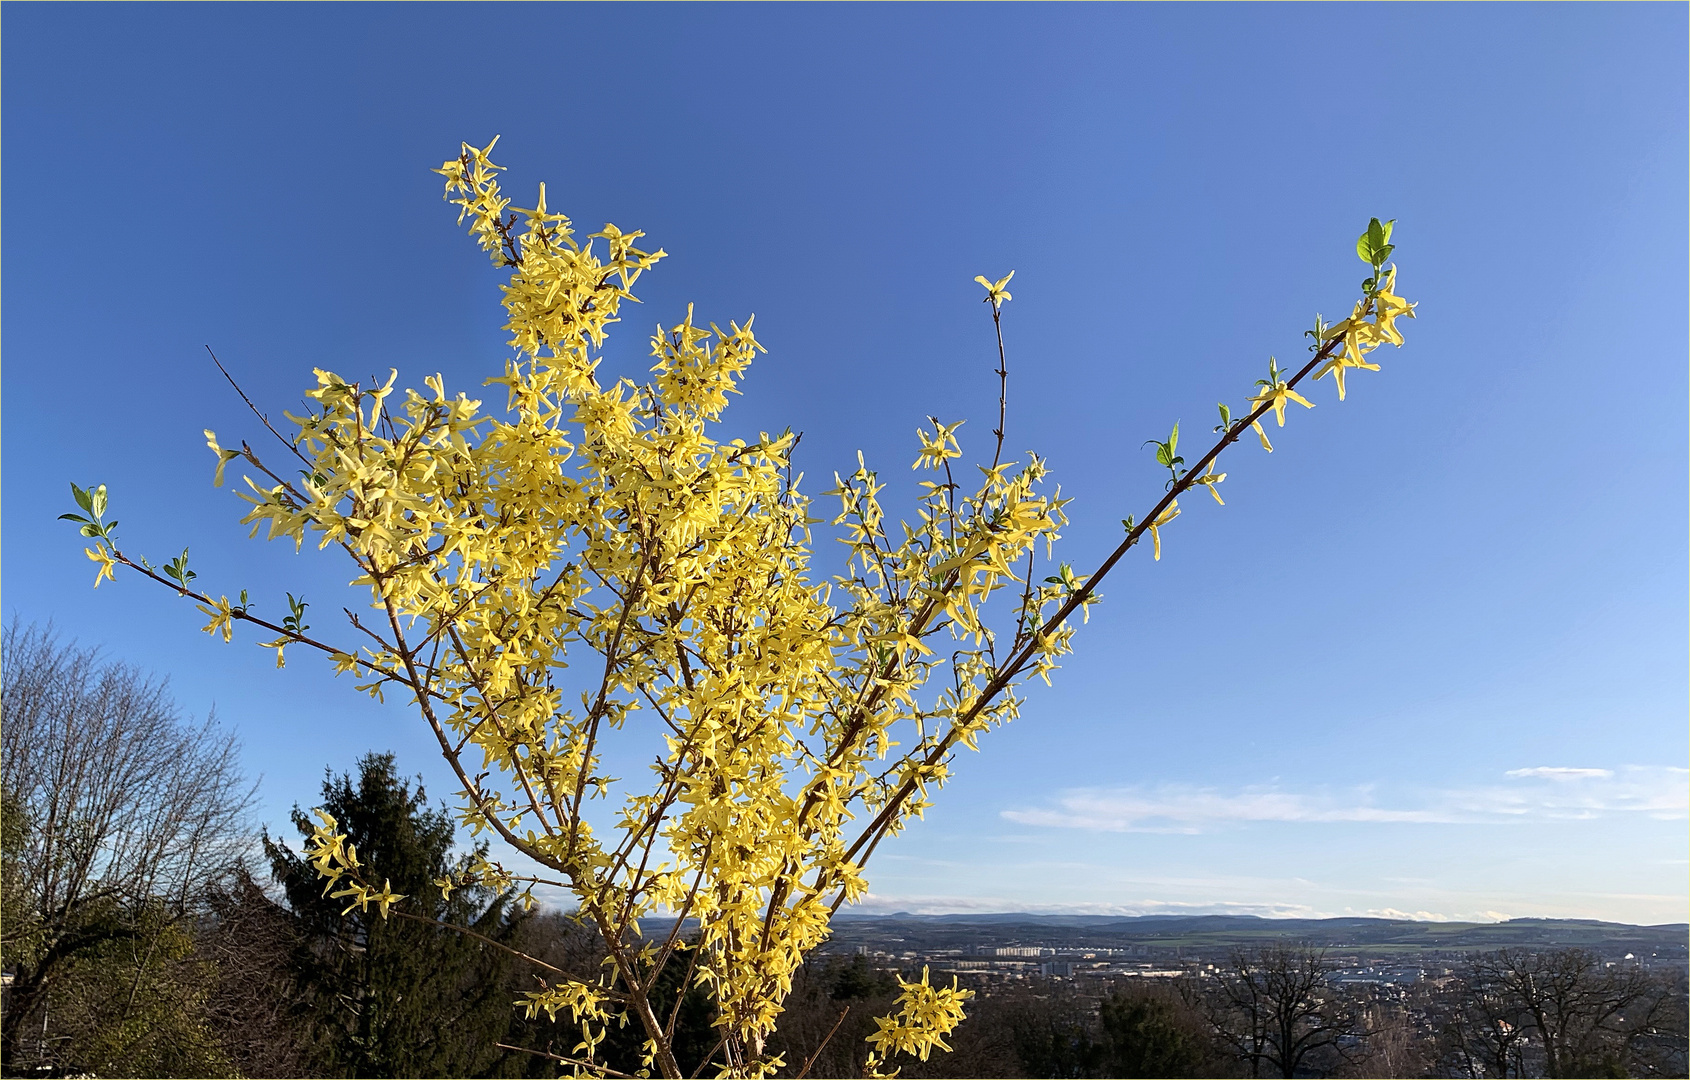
(584, 564)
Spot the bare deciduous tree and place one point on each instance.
(1278, 1013)
(1582, 1015)
(1484, 1028)
(114, 802)
(1399, 1046)
(257, 1008)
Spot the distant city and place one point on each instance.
(1015, 947)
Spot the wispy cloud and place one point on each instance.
(1558, 772)
(1541, 793)
(929, 904)
(1435, 916)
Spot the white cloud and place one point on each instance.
(1434, 916)
(1536, 794)
(878, 904)
(1555, 772)
(1176, 808)
(931, 904)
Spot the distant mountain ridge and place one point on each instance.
(1241, 920)
(1243, 931)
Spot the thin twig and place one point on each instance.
(264, 419)
(811, 1060)
(1003, 383)
(719, 1044)
(1006, 674)
(603, 1070)
(239, 613)
(483, 937)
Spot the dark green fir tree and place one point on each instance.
(398, 997)
(1150, 1035)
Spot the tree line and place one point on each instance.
(144, 933)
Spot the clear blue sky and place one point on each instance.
(1338, 694)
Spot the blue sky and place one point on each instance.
(1431, 656)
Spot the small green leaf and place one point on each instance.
(82, 499)
(295, 621)
(1374, 246)
(177, 570)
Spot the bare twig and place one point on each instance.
(496, 944)
(603, 1070)
(1003, 383)
(719, 1044)
(1006, 674)
(811, 1060)
(265, 420)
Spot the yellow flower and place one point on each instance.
(1162, 519)
(1276, 396)
(1209, 480)
(1390, 307)
(937, 450)
(100, 555)
(996, 293)
(279, 644)
(359, 894)
(1336, 368)
(222, 619)
(1262, 435)
(386, 898)
(1360, 337)
(223, 456)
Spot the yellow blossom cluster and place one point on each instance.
(591, 572)
(926, 1014)
(600, 517)
(334, 860)
(1360, 335)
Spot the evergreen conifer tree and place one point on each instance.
(398, 997)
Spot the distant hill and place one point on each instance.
(1208, 933)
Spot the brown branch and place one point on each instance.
(237, 613)
(262, 418)
(516, 759)
(685, 984)
(1003, 383)
(811, 1060)
(603, 1070)
(596, 713)
(497, 945)
(1019, 661)
(719, 1044)
(471, 790)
